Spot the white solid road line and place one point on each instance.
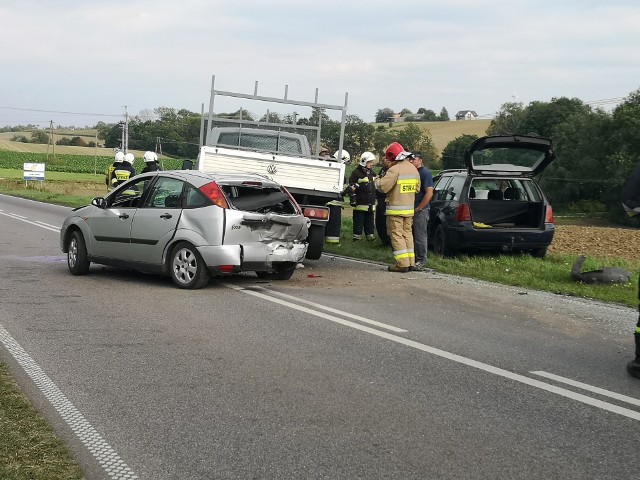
(336, 311)
(37, 224)
(453, 357)
(105, 455)
(590, 388)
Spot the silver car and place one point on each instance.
(189, 225)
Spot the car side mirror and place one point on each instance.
(99, 202)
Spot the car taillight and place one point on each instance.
(212, 191)
(317, 213)
(463, 214)
(293, 200)
(548, 215)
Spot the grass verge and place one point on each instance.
(550, 274)
(28, 447)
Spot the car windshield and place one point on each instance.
(272, 143)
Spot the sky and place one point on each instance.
(78, 62)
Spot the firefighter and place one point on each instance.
(631, 204)
(150, 162)
(400, 183)
(108, 179)
(334, 224)
(124, 171)
(362, 193)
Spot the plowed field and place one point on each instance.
(602, 242)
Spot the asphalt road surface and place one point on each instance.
(344, 372)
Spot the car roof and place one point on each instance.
(199, 178)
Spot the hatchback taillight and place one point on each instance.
(548, 215)
(463, 214)
(212, 192)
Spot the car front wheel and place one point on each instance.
(77, 258)
(187, 268)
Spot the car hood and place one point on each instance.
(509, 154)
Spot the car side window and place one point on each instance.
(194, 198)
(455, 188)
(440, 186)
(128, 196)
(165, 193)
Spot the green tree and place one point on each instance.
(405, 111)
(542, 118)
(453, 153)
(413, 138)
(383, 115)
(40, 136)
(430, 116)
(507, 121)
(444, 115)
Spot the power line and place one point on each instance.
(61, 112)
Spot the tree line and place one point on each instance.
(596, 150)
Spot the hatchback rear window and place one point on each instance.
(258, 199)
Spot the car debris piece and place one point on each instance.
(605, 275)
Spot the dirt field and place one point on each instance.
(602, 242)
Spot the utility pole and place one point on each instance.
(125, 144)
(50, 138)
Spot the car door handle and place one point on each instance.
(166, 215)
(123, 215)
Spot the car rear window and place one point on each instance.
(258, 199)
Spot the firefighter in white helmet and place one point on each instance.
(362, 193)
(124, 171)
(117, 160)
(150, 162)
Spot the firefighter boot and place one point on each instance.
(396, 268)
(633, 367)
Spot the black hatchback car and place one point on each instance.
(496, 203)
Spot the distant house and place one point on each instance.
(466, 115)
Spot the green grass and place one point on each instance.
(29, 449)
(550, 274)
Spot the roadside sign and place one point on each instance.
(33, 171)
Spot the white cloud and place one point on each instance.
(97, 56)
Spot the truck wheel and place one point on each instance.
(440, 245)
(315, 239)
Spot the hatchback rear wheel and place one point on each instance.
(187, 268)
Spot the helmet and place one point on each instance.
(393, 150)
(346, 158)
(365, 158)
(150, 157)
(129, 158)
(119, 157)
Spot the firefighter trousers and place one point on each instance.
(401, 235)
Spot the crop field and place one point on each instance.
(443, 132)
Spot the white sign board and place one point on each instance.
(34, 171)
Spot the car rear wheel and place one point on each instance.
(441, 246)
(77, 258)
(187, 268)
(539, 252)
(283, 271)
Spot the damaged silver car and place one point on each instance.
(189, 225)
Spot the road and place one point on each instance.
(346, 371)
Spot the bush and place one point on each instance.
(64, 141)
(20, 138)
(77, 142)
(40, 137)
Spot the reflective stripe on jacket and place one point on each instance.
(400, 183)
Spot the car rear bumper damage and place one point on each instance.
(253, 256)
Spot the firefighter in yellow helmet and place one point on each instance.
(400, 183)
